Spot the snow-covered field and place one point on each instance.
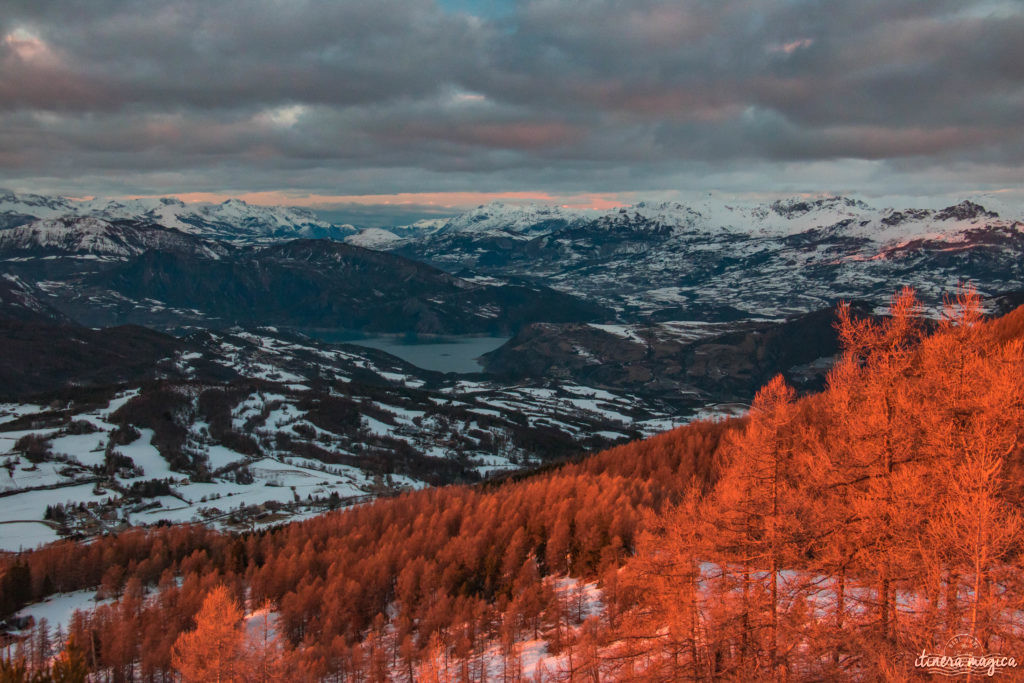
(58, 609)
(16, 536)
(299, 458)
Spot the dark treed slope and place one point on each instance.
(328, 284)
(106, 273)
(44, 350)
(77, 355)
(718, 367)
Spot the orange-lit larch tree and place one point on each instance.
(876, 416)
(833, 551)
(666, 576)
(973, 432)
(755, 499)
(265, 655)
(213, 652)
(70, 665)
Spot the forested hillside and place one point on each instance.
(832, 537)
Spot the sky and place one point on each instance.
(378, 108)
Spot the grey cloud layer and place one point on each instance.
(401, 95)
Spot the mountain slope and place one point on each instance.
(95, 237)
(73, 355)
(691, 367)
(19, 301)
(312, 283)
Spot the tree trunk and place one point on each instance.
(840, 615)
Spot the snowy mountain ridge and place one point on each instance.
(236, 220)
(232, 219)
(750, 257)
(789, 216)
(769, 258)
(91, 237)
(373, 238)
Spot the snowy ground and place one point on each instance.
(58, 609)
(16, 536)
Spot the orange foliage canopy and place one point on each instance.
(212, 652)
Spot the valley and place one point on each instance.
(169, 362)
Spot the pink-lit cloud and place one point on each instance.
(440, 200)
(792, 46)
(28, 47)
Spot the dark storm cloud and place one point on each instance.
(411, 95)
(235, 53)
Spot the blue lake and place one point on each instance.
(442, 354)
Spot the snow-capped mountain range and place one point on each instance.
(669, 260)
(622, 322)
(769, 259)
(235, 219)
(232, 220)
(780, 217)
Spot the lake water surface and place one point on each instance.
(444, 354)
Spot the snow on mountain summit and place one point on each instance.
(712, 213)
(238, 221)
(373, 238)
(90, 236)
(232, 219)
(515, 219)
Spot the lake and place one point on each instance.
(441, 354)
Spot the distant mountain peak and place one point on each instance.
(374, 238)
(965, 210)
(795, 206)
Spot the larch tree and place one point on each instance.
(213, 652)
(264, 649)
(834, 549)
(70, 665)
(881, 429)
(755, 495)
(666, 575)
(977, 432)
